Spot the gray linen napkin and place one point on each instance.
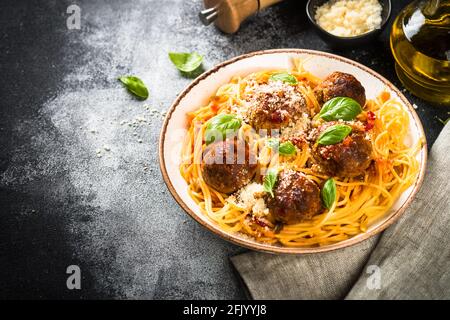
(410, 260)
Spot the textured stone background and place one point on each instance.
(64, 202)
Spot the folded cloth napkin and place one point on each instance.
(410, 260)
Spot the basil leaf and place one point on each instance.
(328, 193)
(285, 77)
(221, 125)
(135, 86)
(334, 134)
(186, 62)
(193, 74)
(287, 148)
(269, 180)
(340, 108)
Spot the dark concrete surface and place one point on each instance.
(66, 200)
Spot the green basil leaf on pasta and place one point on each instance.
(334, 134)
(221, 125)
(287, 149)
(135, 86)
(186, 62)
(340, 108)
(285, 77)
(328, 193)
(269, 180)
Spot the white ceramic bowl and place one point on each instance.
(320, 64)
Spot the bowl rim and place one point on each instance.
(268, 248)
(361, 36)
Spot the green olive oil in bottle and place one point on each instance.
(420, 43)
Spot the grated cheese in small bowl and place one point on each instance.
(349, 18)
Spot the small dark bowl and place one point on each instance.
(345, 42)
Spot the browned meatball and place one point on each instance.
(339, 84)
(274, 105)
(228, 165)
(296, 198)
(349, 158)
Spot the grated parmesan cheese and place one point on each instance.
(250, 197)
(349, 18)
(297, 128)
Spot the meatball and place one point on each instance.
(228, 165)
(296, 198)
(339, 84)
(349, 158)
(274, 105)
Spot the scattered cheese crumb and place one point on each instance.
(134, 124)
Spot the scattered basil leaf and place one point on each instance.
(186, 62)
(340, 108)
(328, 193)
(193, 74)
(135, 86)
(285, 77)
(334, 134)
(269, 180)
(221, 125)
(287, 149)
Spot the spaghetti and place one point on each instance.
(360, 201)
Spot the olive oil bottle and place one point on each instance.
(420, 43)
